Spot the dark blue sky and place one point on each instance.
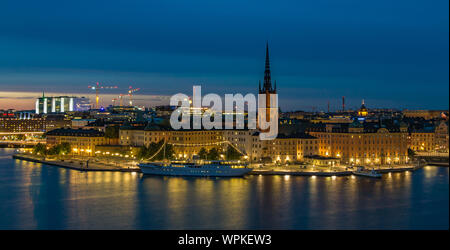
(391, 53)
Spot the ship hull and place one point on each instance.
(368, 175)
(151, 169)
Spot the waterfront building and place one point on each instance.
(363, 143)
(61, 104)
(284, 149)
(82, 141)
(422, 139)
(186, 143)
(30, 123)
(17, 125)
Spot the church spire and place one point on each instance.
(267, 79)
(267, 84)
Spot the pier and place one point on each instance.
(92, 164)
(82, 165)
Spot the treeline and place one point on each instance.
(145, 153)
(58, 149)
(214, 154)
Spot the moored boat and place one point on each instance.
(211, 168)
(367, 173)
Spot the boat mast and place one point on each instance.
(164, 155)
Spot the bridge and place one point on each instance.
(21, 143)
(434, 158)
(22, 133)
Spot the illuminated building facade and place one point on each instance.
(61, 104)
(29, 123)
(361, 143)
(17, 125)
(422, 140)
(186, 143)
(441, 136)
(432, 138)
(82, 141)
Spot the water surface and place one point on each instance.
(37, 196)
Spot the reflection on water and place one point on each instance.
(33, 196)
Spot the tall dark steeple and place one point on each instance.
(267, 86)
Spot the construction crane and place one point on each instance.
(130, 93)
(121, 100)
(97, 87)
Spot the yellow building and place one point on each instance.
(82, 141)
(422, 140)
(186, 143)
(283, 149)
(363, 144)
(441, 136)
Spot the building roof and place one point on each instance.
(76, 132)
(367, 127)
(296, 136)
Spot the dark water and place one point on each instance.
(33, 196)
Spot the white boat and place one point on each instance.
(366, 173)
(212, 168)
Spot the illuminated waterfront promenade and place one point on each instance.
(117, 164)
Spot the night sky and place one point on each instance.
(390, 53)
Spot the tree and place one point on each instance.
(65, 148)
(40, 149)
(54, 150)
(202, 154)
(411, 153)
(142, 153)
(20, 137)
(213, 154)
(233, 154)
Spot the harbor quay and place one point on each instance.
(87, 163)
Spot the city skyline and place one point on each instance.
(388, 56)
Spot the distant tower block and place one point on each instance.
(343, 104)
(267, 86)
